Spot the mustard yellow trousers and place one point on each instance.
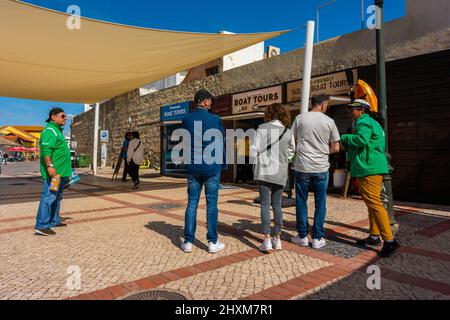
(370, 188)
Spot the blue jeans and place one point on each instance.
(319, 183)
(195, 184)
(50, 205)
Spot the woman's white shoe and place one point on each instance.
(276, 244)
(266, 246)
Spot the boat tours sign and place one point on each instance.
(254, 100)
(335, 84)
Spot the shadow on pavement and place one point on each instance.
(172, 232)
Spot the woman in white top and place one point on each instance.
(271, 151)
(135, 158)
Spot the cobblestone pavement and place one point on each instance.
(126, 242)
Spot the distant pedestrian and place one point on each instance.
(202, 173)
(135, 158)
(368, 163)
(55, 161)
(273, 147)
(317, 137)
(126, 142)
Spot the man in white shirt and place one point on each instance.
(317, 137)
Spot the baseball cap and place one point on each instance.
(203, 94)
(54, 112)
(360, 103)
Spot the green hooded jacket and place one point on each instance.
(54, 145)
(366, 148)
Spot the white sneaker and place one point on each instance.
(216, 247)
(276, 243)
(186, 247)
(301, 241)
(266, 246)
(317, 244)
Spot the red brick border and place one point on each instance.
(425, 253)
(62, 214)
(436, 229)
(416, 281)
(155, 281)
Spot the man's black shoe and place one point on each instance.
(389, 248)
(44, 232)
(61, 225)
(137, 186)
(369, 242)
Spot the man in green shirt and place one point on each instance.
(366, 148)
(55, 161)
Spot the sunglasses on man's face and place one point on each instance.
(63, 116)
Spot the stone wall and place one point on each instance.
(144, 113)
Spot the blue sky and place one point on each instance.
(341, 17)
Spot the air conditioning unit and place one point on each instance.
(273, 51)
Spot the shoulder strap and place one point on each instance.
(138, 146)
(269, 147)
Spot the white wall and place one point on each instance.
(87, 107)
(244, 56)
(165, 83)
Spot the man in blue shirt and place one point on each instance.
(203, 172)
(125, 144)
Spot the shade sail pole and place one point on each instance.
(95, 151)
(308, 66)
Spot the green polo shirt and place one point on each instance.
(54, 145)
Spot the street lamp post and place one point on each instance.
(387, 195)
(318, 17)
(363, 15)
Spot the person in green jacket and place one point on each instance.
(366, 148)
(55, 161)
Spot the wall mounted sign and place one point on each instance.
(252, 101)
(335, 84)
(175, 112)
(104, 136)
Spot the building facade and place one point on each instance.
(418, 55)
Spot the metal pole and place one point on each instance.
(318, 25)
(387, 194)
(318, 16)
(363, 15)
(95, 151)
(381, 69)
(308, 66)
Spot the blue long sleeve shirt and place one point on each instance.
(208, 121)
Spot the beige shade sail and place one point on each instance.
(42, 59)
